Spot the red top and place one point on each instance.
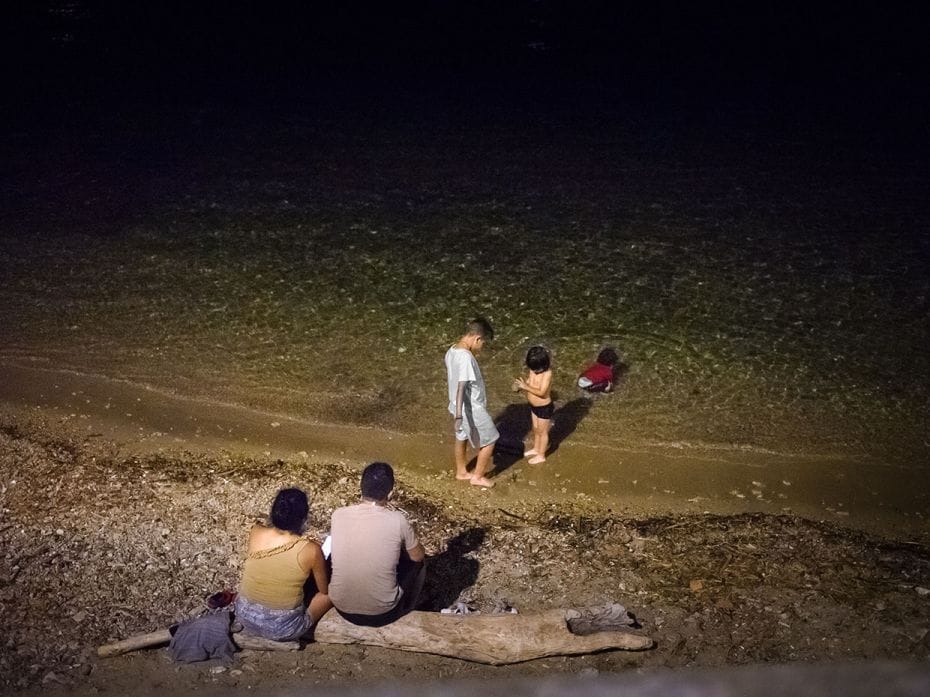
(599, 373)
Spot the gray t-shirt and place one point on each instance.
(367, 540)
(461, 366)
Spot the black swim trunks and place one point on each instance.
(543, 412)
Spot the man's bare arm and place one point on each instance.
(417, 553)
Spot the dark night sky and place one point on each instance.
(862, 65)
(714, 47)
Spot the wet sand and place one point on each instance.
(640, 482)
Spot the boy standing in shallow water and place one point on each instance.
(468, 402)
(537, 386)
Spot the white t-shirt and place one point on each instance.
(461, 366)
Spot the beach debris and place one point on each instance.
(610, 617)
(113, 508)
(503, 606)
(459, 607)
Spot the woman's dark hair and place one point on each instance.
(377, 481)
(289, 511)
(608, 356)
(537, 359)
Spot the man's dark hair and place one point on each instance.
(608, 356)
(481, 327)
(289, 511)
(377, 481)
(537, 359)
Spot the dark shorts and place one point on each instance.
(543, 412)
(373, 620)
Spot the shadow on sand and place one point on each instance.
(451, 572)
(514, 424)
(566, 420)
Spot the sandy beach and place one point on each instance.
(117, 530)
(241, 307)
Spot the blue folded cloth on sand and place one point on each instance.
(202, 638)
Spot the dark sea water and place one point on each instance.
(761, 292)
(758, 251)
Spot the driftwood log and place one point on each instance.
(491, 639)
(163, 636)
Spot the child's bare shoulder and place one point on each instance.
(540, 378)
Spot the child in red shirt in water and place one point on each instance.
(599, 377)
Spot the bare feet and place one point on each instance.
(530, 453)
(537, 460)
(482, 481)
(464, 476)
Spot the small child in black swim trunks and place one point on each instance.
(537, 385)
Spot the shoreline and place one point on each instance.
(152, 532)
(653, 480)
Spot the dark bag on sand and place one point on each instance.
(202, 638)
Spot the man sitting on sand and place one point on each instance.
(378, 562)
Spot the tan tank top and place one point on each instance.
(273, 577)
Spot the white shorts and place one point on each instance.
(477, 427)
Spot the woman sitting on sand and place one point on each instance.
(280, 560)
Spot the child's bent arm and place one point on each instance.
(540, 390)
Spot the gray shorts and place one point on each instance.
(477, 427)
(278, 625)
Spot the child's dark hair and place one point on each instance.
(289, 511)
(608, 356)
(481, 327)
(377, 481)
(537, 359)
